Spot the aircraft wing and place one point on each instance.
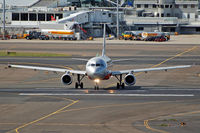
(120, 60)
(49, 69)
(80, 59)
(147, 69)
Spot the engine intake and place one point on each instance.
(66, 79)
(130, 79)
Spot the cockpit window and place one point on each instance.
(97, 65)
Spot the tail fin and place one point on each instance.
(52, 18)
(104, 41)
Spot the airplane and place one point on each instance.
(52, 18)
(96, 69)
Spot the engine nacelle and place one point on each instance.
(130, 79)
(66, 79)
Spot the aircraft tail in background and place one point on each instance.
(104, 40)
(52, 18)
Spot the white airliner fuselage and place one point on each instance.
(96, 68)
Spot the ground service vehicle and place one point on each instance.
(33, 35)
(44, 37)
(60, 34)
(146, 35)
(132, 35)
(128, 35)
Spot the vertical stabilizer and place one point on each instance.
(104, 40)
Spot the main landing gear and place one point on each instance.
(79, 83)
(120, 84)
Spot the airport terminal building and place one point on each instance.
(172, 16)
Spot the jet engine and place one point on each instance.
(66, 79)
(130, 79)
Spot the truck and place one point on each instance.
(60, 34)
(29, 35)
(132, 35)
(147, 35)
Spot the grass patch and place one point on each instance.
(30, 54)
(164, 125)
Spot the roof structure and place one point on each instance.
(25, 3)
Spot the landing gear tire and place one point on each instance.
(120, 86)
(96, 87)
(77, 85)
(81, 85)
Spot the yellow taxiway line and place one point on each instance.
(177, 55)
(49, 115)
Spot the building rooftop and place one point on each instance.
(25, 3)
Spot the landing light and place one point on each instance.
(97, 80)
(111, 91)
(86, 91)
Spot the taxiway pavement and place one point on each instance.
(163, 102)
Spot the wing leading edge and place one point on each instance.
(49, 69)
(147, 69)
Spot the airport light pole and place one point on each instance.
(117, 19)
(4, 5)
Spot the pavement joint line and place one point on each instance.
(177, 55)
(73, 124)
(127, 95)
(44, 117)
(111, 105)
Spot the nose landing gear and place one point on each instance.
(96, 87)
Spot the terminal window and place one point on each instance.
(154, 6)
(192, 6)
(15, 16)
(59, 16)
(32, 17)
(140, 28)
(24, 16)
(146, 6)
(166, 6)
(41, 17)
(138, 6)
(49, 17)
(176, 6)
(198, 29)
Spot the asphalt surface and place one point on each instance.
(163, 102)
